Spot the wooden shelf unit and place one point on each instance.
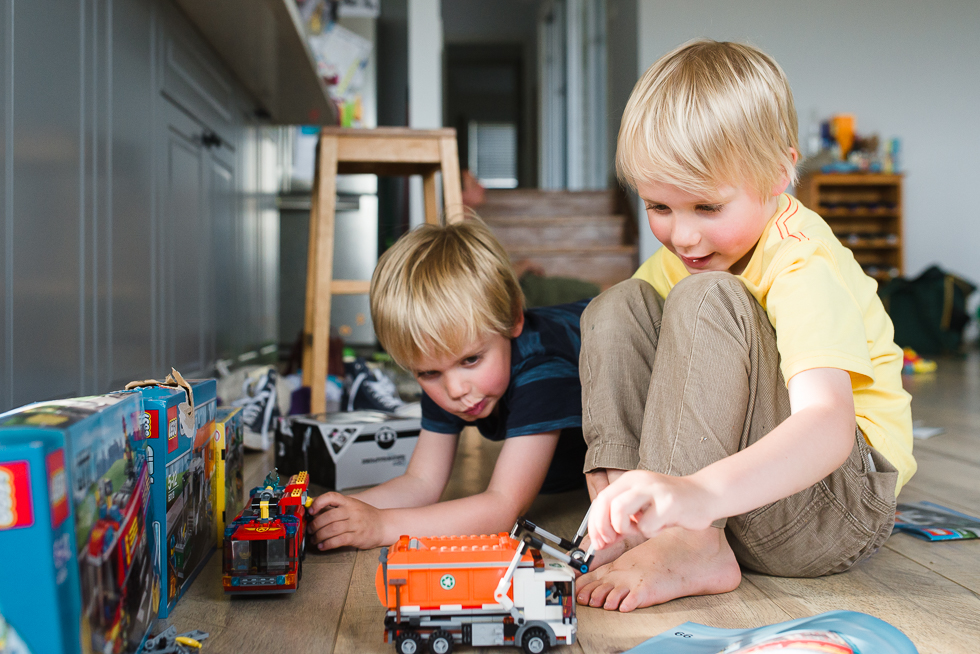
(865, 212)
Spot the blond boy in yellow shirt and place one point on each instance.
(742, 396)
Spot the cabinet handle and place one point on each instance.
(210, 139)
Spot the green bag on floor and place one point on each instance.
(548, 291)
(929, 312)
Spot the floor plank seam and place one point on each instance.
(932, 570)
(340, 618)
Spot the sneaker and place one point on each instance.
(259, 410)
(369, 388)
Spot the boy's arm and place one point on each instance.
(806, 447)
(517, 477)
(424, 478)
(422, 483)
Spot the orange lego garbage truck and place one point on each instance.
(481, 590)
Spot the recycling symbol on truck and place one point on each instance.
(448, 582)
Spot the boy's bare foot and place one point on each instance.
(674, 563)
(607, 554)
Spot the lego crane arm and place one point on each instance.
(572, 554)
(500, 594)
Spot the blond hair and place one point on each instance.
(440, 287)
(706, 115)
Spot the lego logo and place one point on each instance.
(448, 582)
(385, 437)
(6, 499)
(59, 488)
(16, 508)
(172, 429)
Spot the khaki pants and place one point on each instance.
(673, 386)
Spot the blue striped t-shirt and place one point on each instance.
(544, 393)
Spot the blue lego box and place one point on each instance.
(78, 573)
(182, 472)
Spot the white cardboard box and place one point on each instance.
(346, 449)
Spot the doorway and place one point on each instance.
(484, 100)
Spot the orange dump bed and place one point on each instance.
(442, 571)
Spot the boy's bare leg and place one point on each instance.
(675, 563)
(715, 388)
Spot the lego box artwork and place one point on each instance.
(346, 449)
(229, 457)
(182, 472)
(265, 545)
(78, 573)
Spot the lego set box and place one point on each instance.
(79, 574)
(346, 449)
(180, 426)
(228, 491)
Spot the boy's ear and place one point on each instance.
(518, 325)
(783, 181)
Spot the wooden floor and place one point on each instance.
(928, 590)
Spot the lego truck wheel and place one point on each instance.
(441, 642)
(535, 641)
(408, 642)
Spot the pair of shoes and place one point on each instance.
(259, 410)
(368, 389)
(913, 364)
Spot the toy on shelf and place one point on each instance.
(481, 590)
(913, 364)
(265, 545)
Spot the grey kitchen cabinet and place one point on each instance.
(46, 210)
(186, 295)
(133, 231)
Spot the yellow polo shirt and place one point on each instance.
(827, 314)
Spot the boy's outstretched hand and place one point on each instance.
(339, 521)
(643, 502)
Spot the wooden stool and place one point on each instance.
(382, 151)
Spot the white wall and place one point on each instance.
(424, 83)
(906, 68)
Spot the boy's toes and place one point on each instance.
(632, 601)
(584, 594)
(599, 594)
(587, 584)
(614, 600)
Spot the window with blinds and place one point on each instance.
(493, 153)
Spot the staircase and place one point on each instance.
(589, 235)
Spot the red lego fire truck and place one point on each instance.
(481, 590)
(264, 546)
